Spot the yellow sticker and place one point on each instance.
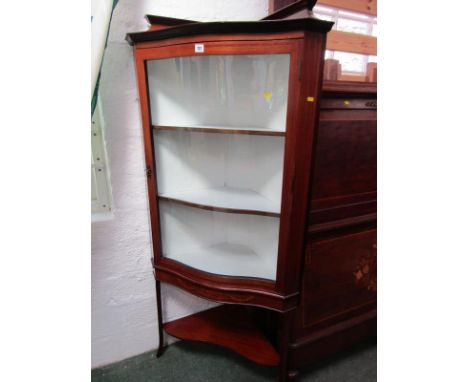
(310, 99)
(346, 103)
(267, 95)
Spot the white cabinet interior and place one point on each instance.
(221, 243)
(219, 136)
(227, 171)
(246, 92)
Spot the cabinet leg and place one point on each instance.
(160, 320)
(285, 374)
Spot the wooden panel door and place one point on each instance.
(340, 277)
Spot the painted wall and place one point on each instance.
(123, 297)
(100, 16)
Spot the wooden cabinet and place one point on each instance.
(252, 200)
(339, 281)
(226, 112)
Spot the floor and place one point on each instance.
(198, 362)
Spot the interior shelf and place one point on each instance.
(225, 199)
(224, 130)
(222, 172)
(229, 326)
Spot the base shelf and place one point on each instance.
(229, 326)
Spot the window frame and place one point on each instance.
(335, 14)
(99, 173)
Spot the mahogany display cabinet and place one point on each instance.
(230, 115)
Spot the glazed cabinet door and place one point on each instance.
(228, 130)
(217, 119)
(219, 124)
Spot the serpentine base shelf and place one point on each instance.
(229, 326)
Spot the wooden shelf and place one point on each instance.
(229, 326)
(225, 199)
(223, 130)
(228, 259)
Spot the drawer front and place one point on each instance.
(348, 104)
(340, 276)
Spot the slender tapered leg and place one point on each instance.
(160, 320)
(285, 374)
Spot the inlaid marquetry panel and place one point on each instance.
(340, 275)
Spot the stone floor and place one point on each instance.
(198, 362)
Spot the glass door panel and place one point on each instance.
(238, 172)
(222, 243)
(219, 124)
(242, 92)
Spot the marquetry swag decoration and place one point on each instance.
(366, 272)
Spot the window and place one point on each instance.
(345, 21)
(100, 195)
(348, 21)
(351, 62)
(353, 26)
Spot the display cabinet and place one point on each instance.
(229, 113)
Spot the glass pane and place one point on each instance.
(228, 171)
(220, 243)
(220, 186)
(232, 91)
(351, 62)
(323, 16)
(324, 10)
(347, 25)
(353, 15)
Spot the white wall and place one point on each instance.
(100, 17)
(124, 320)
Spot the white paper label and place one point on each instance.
(199, 48)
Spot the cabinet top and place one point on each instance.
(192, 28)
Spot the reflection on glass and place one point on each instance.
(219, 186)
(351, 62)
(220, 243)
(221, 170)
(353, 26)
(233, 91)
